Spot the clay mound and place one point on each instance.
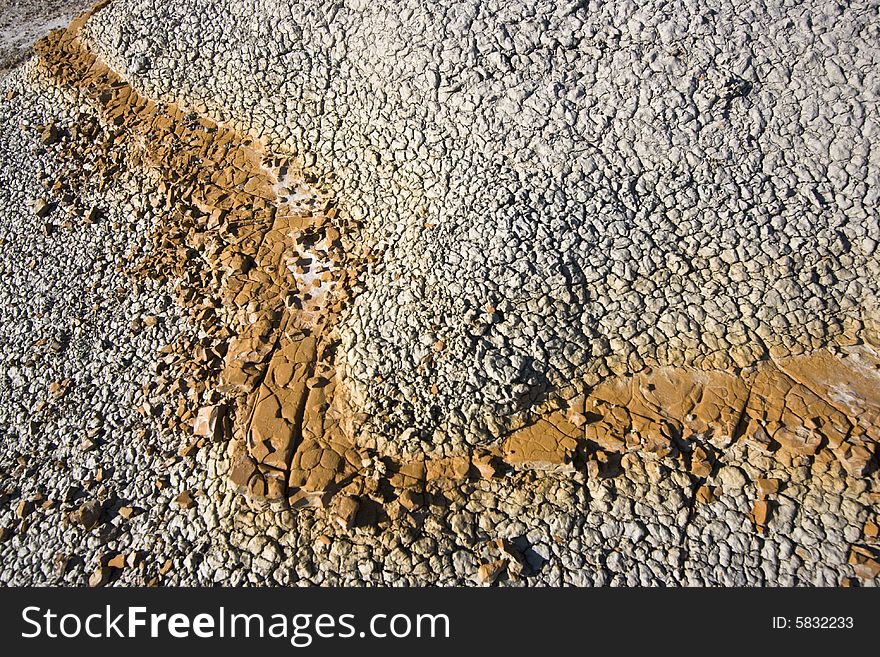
(555, 200)
(369, 332)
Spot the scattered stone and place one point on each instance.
(865, 561)
(88, 515)
(767, 487)
(411, 500)
(129, 512)
(62, 561)
(486, 466)
(99, 577)
(705, 494)
(346, 511)
(190, 449)
(24, 508)
(489, 573)
(701, 466)
(42, 207)
(117, 561)
(71, 493)
(760, 515)
(49, 134)
(514, 559)
(92, 215)
(185, 500)
(208, 423)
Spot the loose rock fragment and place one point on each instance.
(185, 500)
(705, 494)
(865, 561)
(208, 422)
(760, 515)
(346, 511)
(88, 515)
(489, 573)
(49, 134)
(116, 561)
(767, 487)
(42, 207)
(99, 577)
(24, 508)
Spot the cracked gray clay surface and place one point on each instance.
(614, 319)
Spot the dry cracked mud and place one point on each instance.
(469, 294)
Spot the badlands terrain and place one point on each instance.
(454, 293)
